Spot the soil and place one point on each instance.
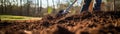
(85, 23)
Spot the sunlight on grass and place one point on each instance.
(12, 17)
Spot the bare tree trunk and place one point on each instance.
(53, 7)
(2, 6)
(53, 4)
(47, 5)
(40, 4)
(35, 8)
(114, 6)
(38, 7)
(58, 4)
(20, 7)
(28, 5)
(4, 9)
(41, 8)
(18, 10)
(24, 8)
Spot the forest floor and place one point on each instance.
(86, 23)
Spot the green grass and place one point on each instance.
(12, 17)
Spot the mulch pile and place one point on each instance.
(86, 23)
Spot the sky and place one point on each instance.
(44, 2)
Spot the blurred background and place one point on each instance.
(39, 8)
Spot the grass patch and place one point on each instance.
(12, 17)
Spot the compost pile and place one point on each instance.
(85, 23)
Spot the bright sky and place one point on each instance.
(44, 2)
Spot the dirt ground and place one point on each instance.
(85, 23)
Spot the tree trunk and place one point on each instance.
(28, 6)
(53, 7)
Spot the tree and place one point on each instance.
(40, 5)
(36, 8)
(21, 7)
(53, 7)
(27, 7)
(58, 3)
(53, 4)
(5, 6)
(1, 6)
(117, 5)
(47, 5)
